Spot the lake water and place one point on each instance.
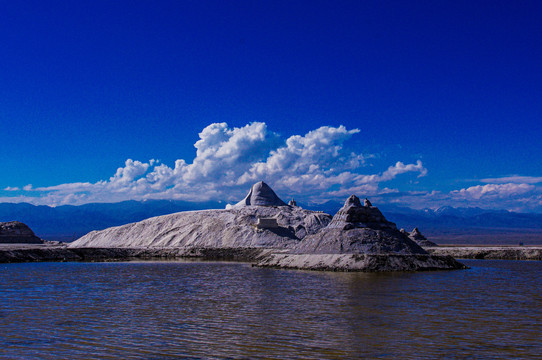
(161, 310)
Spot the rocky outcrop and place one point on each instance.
(419, 239)
(359, 238)
(234, 228)
(360, 262)
(260, 194)
(15, 232)
(358, 229)
(239, 226)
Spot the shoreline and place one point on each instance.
(17, 253)
(61, 253)
(496, 252)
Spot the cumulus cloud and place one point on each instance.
(317, 150)
(223, 153)
(127, 174)
(318, 166)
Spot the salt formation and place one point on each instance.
(243, 225)
(260, 194)
(359, 238)
(359, 229)
(419, 239)
(15, 232)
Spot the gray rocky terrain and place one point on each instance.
(15, 232)
(359, 229)
(235, 227)
(360, 262)
(359, 238)
(263, 229)
(489, 252)
(418, 238)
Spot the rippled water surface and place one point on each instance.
(158, 310)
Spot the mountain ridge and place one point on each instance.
(68, 222)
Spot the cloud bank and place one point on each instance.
(314, 168)
(518, 197)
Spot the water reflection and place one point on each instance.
(190, 309)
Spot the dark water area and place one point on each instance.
(161, 310)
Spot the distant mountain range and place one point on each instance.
(473, 225)
(449, 217)
(445, 225)
(67, 223)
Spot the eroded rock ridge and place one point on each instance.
(359, 229)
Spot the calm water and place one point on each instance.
(159, 310)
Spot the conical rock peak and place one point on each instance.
(357, 229)
(354, 215)
(261, 194)
(416, 236)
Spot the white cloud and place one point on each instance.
(317, 150)
(517, 179)
(9, 188)
(316, 166)
(392, 172)
(499, 191)
(63, 187)
(223, 153)
(510, 196)
(131, 170)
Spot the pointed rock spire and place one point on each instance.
(367, 203)
(353, 200)
(419, 239)
(261, 194)
(354, 215)
(359, 229)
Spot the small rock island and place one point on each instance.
(15, 232)
(263, 229)
(359, 238)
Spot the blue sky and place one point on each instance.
(422, 104)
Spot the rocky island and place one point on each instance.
(359, 238)
(263, 229)
(261, 220)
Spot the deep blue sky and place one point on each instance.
(455, 84)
